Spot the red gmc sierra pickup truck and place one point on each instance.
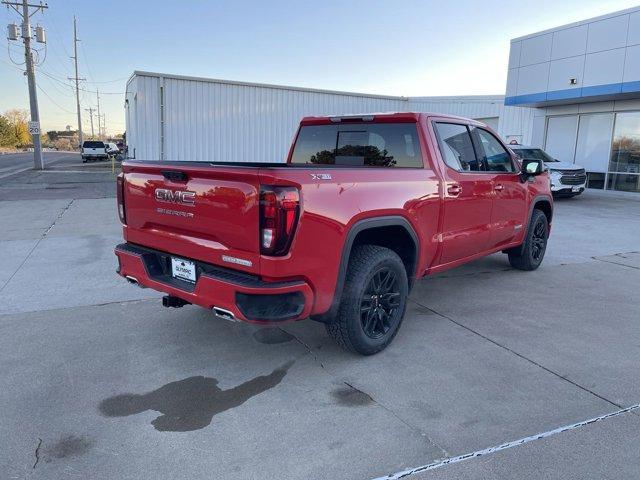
(364, 206)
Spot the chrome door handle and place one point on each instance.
(454, 190)
(498, 188)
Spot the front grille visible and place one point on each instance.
(573, 179)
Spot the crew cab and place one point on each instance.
(364, 206)
(94, 150)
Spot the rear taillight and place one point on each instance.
(120, 195)
(279, 211)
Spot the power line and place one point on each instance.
(86, 63)
(57, 79)
(60, 90)
(111, 81)
(11, 64)
(54, 102)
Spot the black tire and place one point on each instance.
(535, 245)
(372, 304)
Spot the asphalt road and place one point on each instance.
(17, 162)
(511, 368)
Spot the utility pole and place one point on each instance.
(77, 79)
(34, 124)
(99, 119)
(91, 110)
(104, 125)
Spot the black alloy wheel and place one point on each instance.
(538, 241)
(379, 302)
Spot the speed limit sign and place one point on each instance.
(34, 128)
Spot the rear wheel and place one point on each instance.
(530, 256)
(373, 301)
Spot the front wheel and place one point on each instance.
(530, 255)
(373, 301)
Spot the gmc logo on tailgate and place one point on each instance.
(175, 196)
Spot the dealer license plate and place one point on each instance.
(183, 269)
(575, 189)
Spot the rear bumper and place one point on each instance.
(249, 298)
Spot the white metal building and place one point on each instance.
(172, 117)
(581, 83)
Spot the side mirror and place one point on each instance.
(531, 167)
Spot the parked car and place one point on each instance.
(94, 150)
(112, 149)
(567, 179)
(364, 206)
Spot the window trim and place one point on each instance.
(434, 124)
(476, 138)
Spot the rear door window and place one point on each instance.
(90, 144)
(359, 145)
(456, 147)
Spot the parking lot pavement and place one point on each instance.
(100, 381)
(66, 178)
(12, 163)
(602, 450)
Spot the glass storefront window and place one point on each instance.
(624, 181)
(624, 165)
(611, 162)
(594, 142)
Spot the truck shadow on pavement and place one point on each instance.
(190, 404)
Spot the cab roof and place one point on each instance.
(390, 117)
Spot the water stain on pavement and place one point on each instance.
(272, 336)
(350, 396)
(68, 446)
(190, 404)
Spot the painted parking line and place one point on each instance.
(14, 172)
(504, 446)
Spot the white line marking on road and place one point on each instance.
(504, 446)
(14, 172)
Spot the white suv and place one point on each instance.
(567, 179)
(94, 150)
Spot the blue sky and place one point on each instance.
(396, 47)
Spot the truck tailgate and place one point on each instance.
(206, 213)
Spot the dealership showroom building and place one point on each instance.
(581, 85)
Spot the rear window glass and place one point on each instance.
(358, 145)
(90, 144)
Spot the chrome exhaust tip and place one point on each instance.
(134, 281)
(223, 313)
